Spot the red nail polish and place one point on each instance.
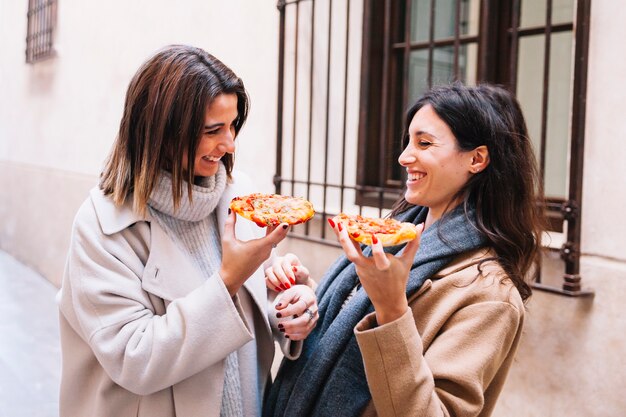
(283, 286)
(279, 315)
(293, 281)
(374, 239)
(285, 226)
(280, 326)
(287, 336)
(277, 289)
(356, 234)
(294, 269)
(332, 223)
(339, 227)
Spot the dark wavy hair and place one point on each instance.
(507, 194)
(163, 117)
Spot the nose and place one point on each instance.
(406, 157)
(227, 144)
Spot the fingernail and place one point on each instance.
(229, 211)
(287, 336)
(339, 227)
(279, 304)
(279, 315)
(280, 326)
(374, 239)
(288, 285)
(294, 269)
(293, 281)
(356, 234)
(283, 286)
(278, 289)
(332, 223)
(285, 226)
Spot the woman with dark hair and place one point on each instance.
(164, 311)
(429, 332)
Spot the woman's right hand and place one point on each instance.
(240, 259)
(285, 272)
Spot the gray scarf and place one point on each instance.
(329, 377)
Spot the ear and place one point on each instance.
(480, 159)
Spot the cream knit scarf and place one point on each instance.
(193, 226)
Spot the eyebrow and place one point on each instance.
(424, 133)
(207, 127)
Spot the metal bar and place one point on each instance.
(463, 39)
(345, 109)
(312, 64)
(295, 98)
(328, 56)
(514, 39)
(407, 52)
(545, 91)
(538, 30)
(384, 120)
(280, 98)
(431, 44)
(457, 34)
(371, 188)
(581, 54)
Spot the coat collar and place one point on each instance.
(465, 260)
(113, 218)
(165, 258)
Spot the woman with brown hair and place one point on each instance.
(429, 332)
(164, 311)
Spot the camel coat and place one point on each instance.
(450, 353)
(142, 332)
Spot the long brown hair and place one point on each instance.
(163, 117)
(505, 195)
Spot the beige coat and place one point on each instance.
(449, 355)
(142, 332)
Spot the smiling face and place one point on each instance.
(218, 135)
(437, 169)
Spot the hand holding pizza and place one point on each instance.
(383, 276)
(240, 259)
(285, 272)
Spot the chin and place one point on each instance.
(413, 198)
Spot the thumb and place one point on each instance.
(411, 248)
(229, 227)
(278, 234)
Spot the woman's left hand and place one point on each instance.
(383, 276)
(297, 309)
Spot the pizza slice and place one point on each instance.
(389, 232)
(272, 209)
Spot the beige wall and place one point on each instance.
(58, 119)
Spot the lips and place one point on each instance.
(210, 158)
(414, 176)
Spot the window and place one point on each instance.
(40, 29)
(536, 48)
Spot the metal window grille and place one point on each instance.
(40, 29)
(316, 123)
(318, 102)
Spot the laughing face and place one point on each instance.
(437, 169)
(218, 135)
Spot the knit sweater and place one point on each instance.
(193, 226)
